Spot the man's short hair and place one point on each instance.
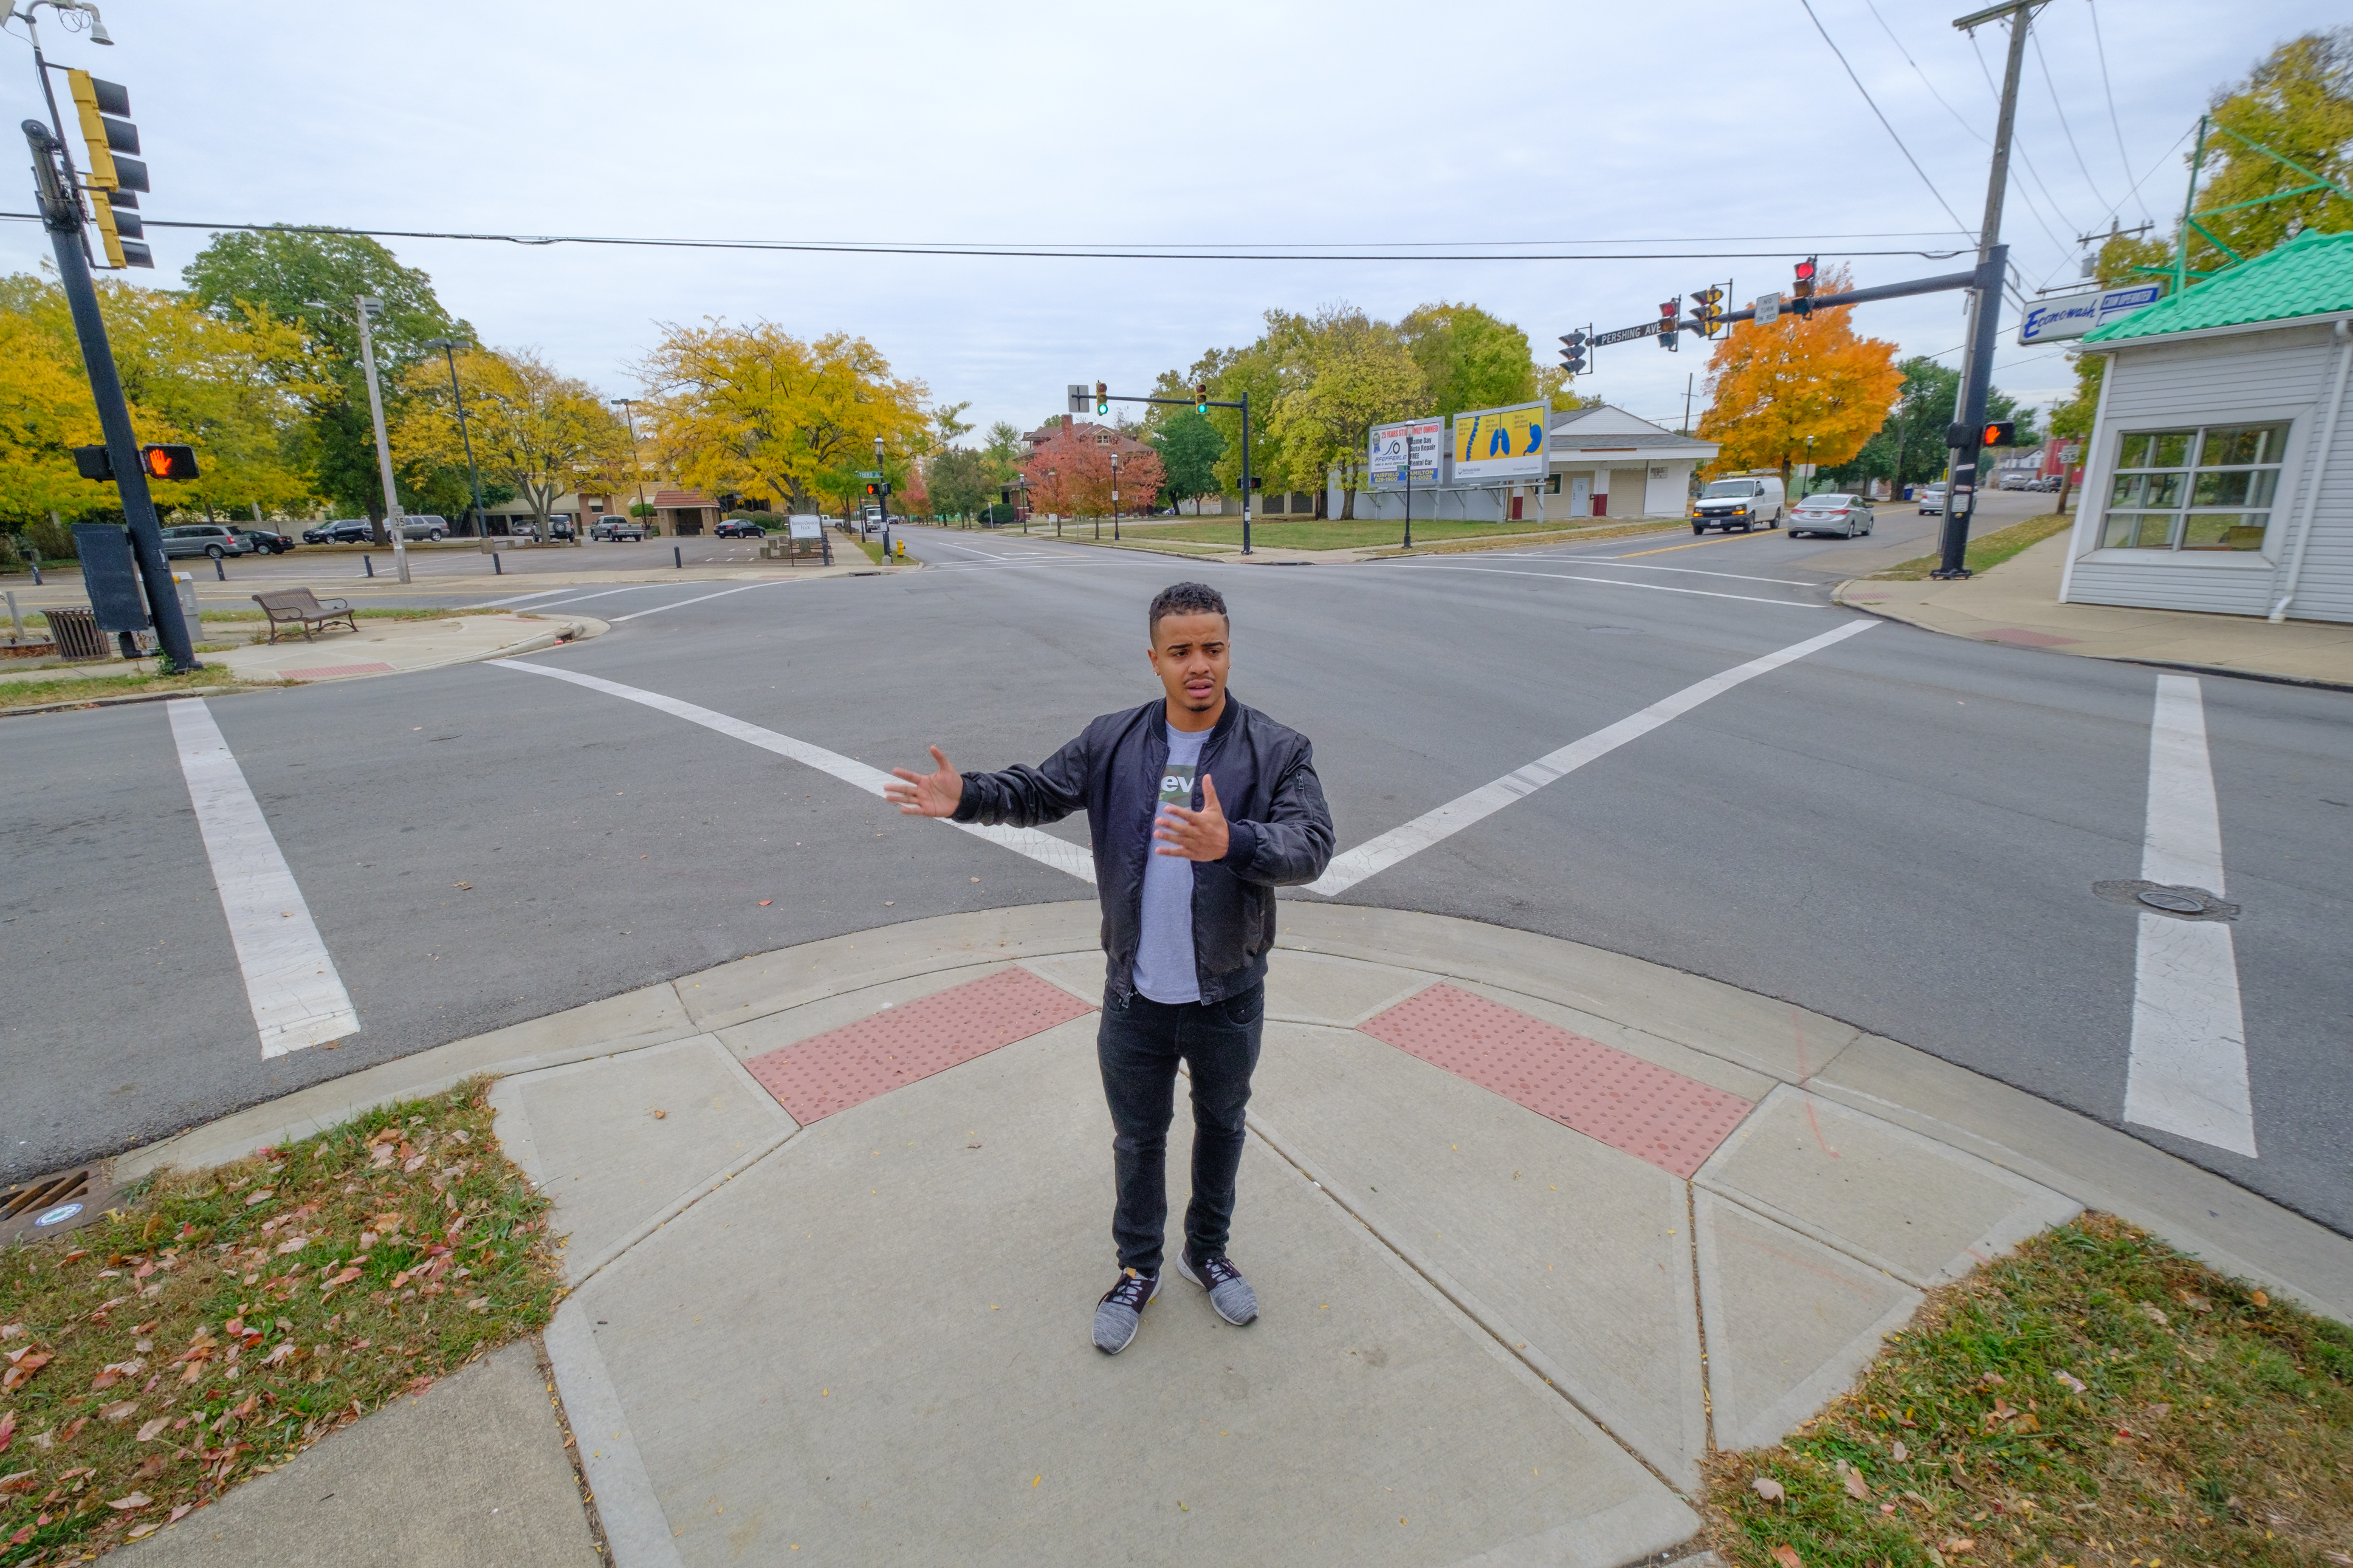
(1187, 599)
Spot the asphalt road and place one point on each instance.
(1898, 829)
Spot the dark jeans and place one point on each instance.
(1139, 1046)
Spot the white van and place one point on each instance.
(1744, 501)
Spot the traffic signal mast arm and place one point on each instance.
(1937, 285)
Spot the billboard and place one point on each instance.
(1410, 443)
(2073, 315)
(1512, 443)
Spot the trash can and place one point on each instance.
(77, 635)
(185, 583)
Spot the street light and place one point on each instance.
(448, 347)
(1058, 504)
(630, 415)
(1114, 497)
(882, 500)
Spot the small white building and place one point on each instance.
(2219, 475)
(1611, 464)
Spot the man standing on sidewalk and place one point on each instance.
(1187, 873)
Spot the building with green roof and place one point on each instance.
(2219, 475)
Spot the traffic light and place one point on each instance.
(1707, 309)
(1572, 352)
(1670, 323)
(1200, 397)
(1103, 398)
(114, 175)
(169, 462)
(1999, 433)
(1801, 292)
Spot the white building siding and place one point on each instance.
(2281, 375)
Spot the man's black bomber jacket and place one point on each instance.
(1280, 826)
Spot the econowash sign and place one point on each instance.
(1511, 443)
(1412, 443)
(2073, 315)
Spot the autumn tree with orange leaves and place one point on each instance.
(1772, 387)
(1069, 474)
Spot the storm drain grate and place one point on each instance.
(1646, 1111)
(53, 1205)
(848, 1066)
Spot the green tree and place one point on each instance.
(1002, 453)
(1908, 447)
(2298, 102)
(959, 487)
(282, 274)
(1343, 373)
(1189, 448)
(1469, 359)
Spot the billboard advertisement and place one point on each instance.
(1512, 443)
(1410, 443)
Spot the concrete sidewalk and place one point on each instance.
(2018, 603)
(837, 1214)
(398, 647)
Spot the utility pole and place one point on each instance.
(61, 214)
(448, 348)
(366, 306)
(1985, 299)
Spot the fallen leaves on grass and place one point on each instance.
(282, 1298)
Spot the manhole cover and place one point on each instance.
(2178, 903)
(2173, 901)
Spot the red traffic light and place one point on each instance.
(169, 462)
(1806, 270)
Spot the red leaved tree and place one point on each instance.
(1069, 473)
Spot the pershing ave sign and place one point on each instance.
(2073, 315)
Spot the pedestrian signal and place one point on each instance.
(169, 462)
(1999, 433)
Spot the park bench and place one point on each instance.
(299, 606)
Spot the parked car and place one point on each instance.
(204, 539)
(737, 528)
(1748, 502)
(265, 541)
(343, 530)
(559, 527)
(426, 525)
(1843, 515)
(616, 528)
(2045, 482)
(1932, 500)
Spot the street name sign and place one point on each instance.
(2073, 315)
(1509, 443)
(870, 473)
(1628, 334)
(1410, 442)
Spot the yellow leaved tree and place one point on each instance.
(752, 410)
(1797, 390)
(537, 432)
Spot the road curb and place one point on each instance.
(130, 696)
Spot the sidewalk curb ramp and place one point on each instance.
(1500, 1190)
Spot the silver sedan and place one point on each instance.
(1843, 515)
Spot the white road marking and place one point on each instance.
(524, 598)
(700, 598)
(1042, 847)
(298, 998)
(1354, 866)
(1620, 582)
(2189, 1068)
(1691, 572)
(605, 593)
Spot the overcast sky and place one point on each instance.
(1702, 127)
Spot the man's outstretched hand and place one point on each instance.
(929, 794)
(1193, 835)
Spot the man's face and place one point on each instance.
(1191, 656)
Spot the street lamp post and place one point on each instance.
(448, 348)
(1114, 495)
(882, 500)
(1058, 505)
(630, 415)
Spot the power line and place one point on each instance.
(2043, 61)
(1924, 180)
(2101, 46)
(1030, 253)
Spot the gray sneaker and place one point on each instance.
(1122, 1310)
(1230, 1293)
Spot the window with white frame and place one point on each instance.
(2200, 487)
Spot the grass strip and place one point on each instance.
(1989, 550)
(1525, 542)
(82, 689)
(217, 1322)
(1329, 534)
(2094, 1399)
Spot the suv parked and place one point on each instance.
(204, 539)
(738, 528)
(425, 526)
(618, 528)
(265, 541)
(343, 530)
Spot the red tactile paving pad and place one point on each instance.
(1673, 1121)
(848, 1066)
